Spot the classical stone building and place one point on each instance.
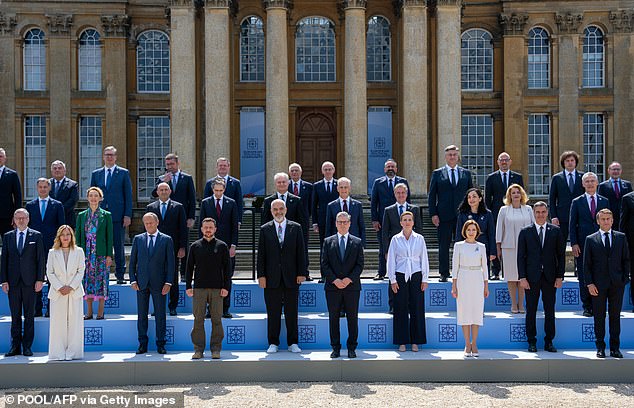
(268, 82)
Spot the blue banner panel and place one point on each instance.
(379, 142)
(252, 151)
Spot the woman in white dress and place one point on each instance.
(512, 217)
(470, 275)
(65, 271)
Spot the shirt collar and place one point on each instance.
(591, 195)
(222, 197)
(166, 202)
(603, 232)
(18, 230)
(43, 199)
(60, 181)
(329, 181)
(279, 195)
(345, 237)
(282, 224)
(539, 226)
(2, 168)
(105, 168)
(570, 172)
(449, 167)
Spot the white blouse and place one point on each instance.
(407, 256)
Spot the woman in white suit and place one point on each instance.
(65, 271)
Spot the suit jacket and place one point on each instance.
(306, 194)
(495, 190)
(582, 223)
(391, 223)
(445, 198)
(535, 260)
(226, 224)
(68, 195)
(294, 210)
(10, 193)
(233, 190)
(603, 268)
(487, 229)
(333, 267)
(53, 219)
(357, 225)
(281, 263)
(560, 198)
(184, 193)
(606, 189)
(105, 233)
(626, 223)
(152, 270)
(29, 266)
(175, 222)
(117, 198)
(321, 199)
(382, 197)
(62, 274)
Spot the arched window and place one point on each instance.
(90, 61)
(34, 60)
(252, 50)
(153, 62)
(593, 57)
(379, 49)
(538, 59)
(477, 60)
(315, 50)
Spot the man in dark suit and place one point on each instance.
(225, 211)
(22, 275)
(614, 189)
(64, 190)
(382, 197)
(627, 227)
(172, 222)
(151, 274)
(303, 190)
(281, 270)
(324, 192)
(607, 260)
(541, 263)
(115, 183)
(294, 206)
(495, 190)
(447, 188)
(10, 193)
(342, 264)
(347, 204)
(233, 188)
(583, 211)
(564, 187)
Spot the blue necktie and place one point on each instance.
(163, 209)
(42, 208)
(342, 247)
(400, 210)
(453, 177)
(21, 243)
(108, 178)
(571, 182)
(151, 246)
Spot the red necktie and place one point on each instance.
(295, 190)
(617, 192)
(345, 205)
(593, 207)
(218, 209)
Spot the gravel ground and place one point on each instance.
(304, 394)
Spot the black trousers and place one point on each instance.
(549, 296)
(226, 301)
(409, 311)
(382, 261)
(446, 231)
(174, 294)
(22, 298)
(614, 297)
(584, 294)
(564, 226)
(143, 307)
(349, 301)
(275, 299)
(6, 225)
(496, 267)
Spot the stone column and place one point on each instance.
(183, 83)
(415, 90)
(217, 84)
(277, 130)
(7, 88)
(355, 126)
(448, 68)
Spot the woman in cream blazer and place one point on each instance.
(65, 270)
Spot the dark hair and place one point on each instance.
(567, 154)
(466, 208)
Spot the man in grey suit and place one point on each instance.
(151, 274)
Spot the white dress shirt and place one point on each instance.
(277, 227)
(221, 201)
(407, 256)
(537, 227)
(603, 236)
(345, 239)
(17, 236)
(596, 202)
(568, 173)
(341, 201)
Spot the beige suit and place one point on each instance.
(66, 334)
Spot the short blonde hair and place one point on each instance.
(57, 244)
(97, 189)
(507, 198)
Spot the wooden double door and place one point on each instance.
(316, 140)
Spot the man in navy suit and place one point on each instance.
(225, 211)
(303, 190)
(495, 191)
(565, 187)
(64, 190)
(614, 189)
(607, 260)
(115, 183)
(294, 207)
(172, 222)
(541, 263)
(583, 212)
(10, 193)
(447, 188)
(627, 227)
(381, 198)
(233, 188)
(347, 204)
(151, 274)
(22, 275)
(324, 192)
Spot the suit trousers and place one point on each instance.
(409, 311)
(446, 231)
(174, 294)
(564, 226)
(118, 239)
(39, 302)
(614, 297)
(6, 225)
(583, 288)
(549, 295)
(349, 301)
(226, 301)
(382, 261)
(22, 297)
(66, 334)
(202, 298)
(143, 306)
(275, 298)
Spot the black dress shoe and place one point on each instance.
(442, 279)
(336, 353)
(321, 280)
(550, 348)
(495, 277)
(100, 317)
(28, 353)
(47, 314)
(309, 279)
(532, 348)
(352, 354)
(613, 353)
(37, 314)
(378, 277)
(141, 350)
(342, 313)
(14, 351)
(153, 314)
(391, 311)
(227, 315)
(173, 312)
(120, 282)
(601, 353)
(587, 313)
(161, 350)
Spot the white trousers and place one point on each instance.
(66, 334)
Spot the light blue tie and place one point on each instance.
(280, 234)
(163, 209)
(42, 208)
(342, 247)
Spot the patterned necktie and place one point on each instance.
(541, 236)
(21, 242)
(571, 182)
(108, 178)
(593, 207)
(453, 177)
(218, 208)
(504, 180)
(617, 191)
(42, 208)
(280, 234)
(342, 247)
(295, 189)
(345, 205)
(163, 209)
(607, 241)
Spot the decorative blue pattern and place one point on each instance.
(181, 298)
(113, 300)
(438, 297)
(502, 297)
(236, 334)
(45, 298)
(377, 333)
(241, 298)
(587, 332)
(372, 297)
(93, 336)
(518, 333)
(307, 333)
(570, 296)
(308, 298)
(447, 333)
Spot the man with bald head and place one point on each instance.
(614, 189)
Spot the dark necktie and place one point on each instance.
(295, 189)
(342, 247)
(541, 236)
(328, 187)
(163, 209)
(218, 208)
(453, 177)
(593, 207)
(389, 185)
(174, 182)
(607, 241)
(504, 181)
(400, 210)
(108, 178)
(345, 205)
(617, 191)
(21, 243)
(282, 198)
(151, 245)
(56, 189)
(571, 182)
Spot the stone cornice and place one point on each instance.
(7, 24)
(218, 3)
(513, 24)
(115, 25)
(287, 4)
(568, 23)
(621, 21)
(354, 4)
(408, 3)
(181, 3)
(59, 24)
(457, 3)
